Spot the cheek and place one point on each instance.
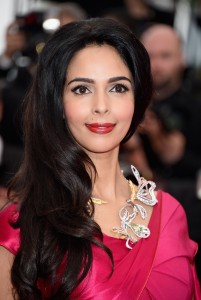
(171, 65)
(72, 113)
(126, 112)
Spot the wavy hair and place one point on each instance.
(54, 182)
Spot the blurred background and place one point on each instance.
(167, 145)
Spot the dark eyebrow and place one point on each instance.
(118, 78)
(81, 79)
(88, 80)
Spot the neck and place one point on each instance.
(110, 184)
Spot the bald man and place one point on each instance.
(176, 93)
(167, 60)
(176, 105)
(171, 104)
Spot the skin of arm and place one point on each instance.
(6, 260)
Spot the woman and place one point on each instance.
(85, 231)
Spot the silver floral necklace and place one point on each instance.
(144, 192)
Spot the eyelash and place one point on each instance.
(75, 90)
(87, 91)
(122, 86)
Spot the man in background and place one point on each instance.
(168, 128)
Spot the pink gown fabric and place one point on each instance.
(160, 267)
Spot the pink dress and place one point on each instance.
(160, 267)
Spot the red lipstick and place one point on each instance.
(101, 128)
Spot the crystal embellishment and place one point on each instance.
(129, 230)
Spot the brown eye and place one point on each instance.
(80, 90)
(119, 88)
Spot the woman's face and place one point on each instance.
(98, 98)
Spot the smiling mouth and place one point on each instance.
(102, 128)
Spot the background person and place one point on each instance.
(174, 106)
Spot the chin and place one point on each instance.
(101, 149)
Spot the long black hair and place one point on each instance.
(53, 184)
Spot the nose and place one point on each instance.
(101, 104)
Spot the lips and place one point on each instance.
(101, 128)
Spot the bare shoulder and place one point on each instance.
(3, 197)
(3, 203)
(6, 261)
(4, 253)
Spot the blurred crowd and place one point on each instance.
(166, 147)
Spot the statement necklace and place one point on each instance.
(144, 192)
